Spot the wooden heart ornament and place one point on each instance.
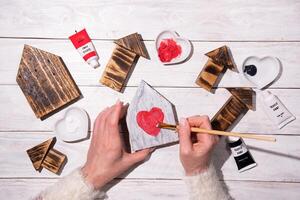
(148, 120)
(73, 126)
(171, 48)
(261, 72)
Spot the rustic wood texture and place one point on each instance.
(245, 95)
(144, 100)
(228, 114)
(54, 161)
(222, 56)
(166, 157)
(267, 21)
(45, 81)
(209, 75)
(235, 107)
(118, 68)
(219, 60)
(134, 42)
(38, 153)
(247, 27)
(199, 101)
(183, 76)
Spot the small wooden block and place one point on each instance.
(209, 75)
(54, 161)
(45, 81)
(118, 68)
(144, 100)
(228, 114)
(222, 56)
(134, 42)
(38, 153)
(246, 95)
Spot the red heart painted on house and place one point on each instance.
(148, 120)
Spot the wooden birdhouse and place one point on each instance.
(125, 55)
(45, 81)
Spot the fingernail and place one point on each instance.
(182, 121)
(152, 149)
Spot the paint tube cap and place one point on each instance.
(94, 63)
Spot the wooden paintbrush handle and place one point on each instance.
(243, 135)
(216, 132)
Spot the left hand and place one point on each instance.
(107, 157)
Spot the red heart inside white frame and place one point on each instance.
(73, 126)
(185, 44)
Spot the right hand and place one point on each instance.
(195, 157)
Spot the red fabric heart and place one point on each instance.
(168, 50)
(149, 120)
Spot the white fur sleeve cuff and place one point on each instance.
(206, 186)
(71, 187)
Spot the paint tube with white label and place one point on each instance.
(84, 45)
(275, 109)
(242, 156)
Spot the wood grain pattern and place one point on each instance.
(222, 56)
(182, 76)
(45, 81)
(209, 75)
(199, 102)
(249, 27)
(235, 107)
(134, 42)
(219, 60)
(164, 162)
(118, 68)
(245, 95)
(54, 161)
(38, 153)
(144, 100)
(227, 115)
(238, 20)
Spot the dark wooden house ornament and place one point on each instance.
(44, 155)
(219, 60)
(241, 100)
(125, 55)
(45, 81)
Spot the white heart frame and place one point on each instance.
(73, 126)
(268, 70)
(185, 44)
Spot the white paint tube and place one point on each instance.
(275, 110)
(242, 156)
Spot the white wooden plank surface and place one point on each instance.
(13, 103)
(158, 189)
(183, 75)
(163, 164)
(197, 20)
(256, 27)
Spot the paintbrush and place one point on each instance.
(216, 132)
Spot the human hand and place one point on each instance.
(107, 157)
(195, 157)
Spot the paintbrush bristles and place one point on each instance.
(166, 126)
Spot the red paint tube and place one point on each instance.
(82, 42)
